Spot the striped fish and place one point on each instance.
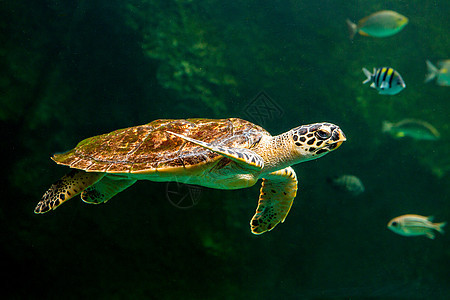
(414, 225)
(386, 80)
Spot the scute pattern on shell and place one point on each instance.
(149, 147)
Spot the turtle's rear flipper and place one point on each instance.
(67, 187)
(278, 191)
(105, 189)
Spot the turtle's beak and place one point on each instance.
(338, 138)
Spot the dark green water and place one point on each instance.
(74, 69)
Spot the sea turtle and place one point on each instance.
(223, 154)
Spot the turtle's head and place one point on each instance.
(315, 140)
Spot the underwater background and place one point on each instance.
(75, 69)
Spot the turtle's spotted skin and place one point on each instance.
(310, 136)
(224, 154)
(275, 200)
(70, 185)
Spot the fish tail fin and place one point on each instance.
(332, 179)
(432, 71)
(368, 74)
(386, 126)
(440, 227)
(352, 29)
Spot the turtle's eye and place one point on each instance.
(323, 134)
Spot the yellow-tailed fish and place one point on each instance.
(415, 129)
(414, 225)
(385, 80)
(441, 73)
(380, 24)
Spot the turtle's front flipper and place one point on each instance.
(275, 200)
(105, 189)
(239, 155)
(67, 187)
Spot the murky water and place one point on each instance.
(71, 70)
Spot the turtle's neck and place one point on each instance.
(277, 152)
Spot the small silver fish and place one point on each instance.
(380, 24)
(415, 129)
(385, 80)
(347, 183)
(414, 225)
(442, 73)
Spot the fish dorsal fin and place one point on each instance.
(430, 218)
